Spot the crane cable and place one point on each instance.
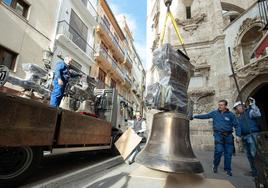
(169, 14)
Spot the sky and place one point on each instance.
(135, 13)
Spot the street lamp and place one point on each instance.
(263, 11)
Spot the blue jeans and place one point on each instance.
(249, 144)
(56, 94)
(223, 144)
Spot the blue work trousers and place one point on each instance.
(56, 94)
(223, 144)
(249, 144)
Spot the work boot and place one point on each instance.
(229, 173)
(215, 169)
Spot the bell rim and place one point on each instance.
(193, 167)
(170, 115)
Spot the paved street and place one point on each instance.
(55, 167)
(120, 176)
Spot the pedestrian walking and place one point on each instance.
(139, 127)
(224, 121)
(247, 119)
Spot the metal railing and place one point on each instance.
(100, 49)
(263, 11)
(127, 58)
(72, 34)
(108, 31)
(126, 75)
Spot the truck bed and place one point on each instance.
(28, 122)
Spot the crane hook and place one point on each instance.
(167, 2)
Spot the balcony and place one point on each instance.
(107, 35)
(87, 10)
(72, 40)
(108, 63)
(127, 80)
(128, 60)
(135, 87)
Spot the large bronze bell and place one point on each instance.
(168, 147)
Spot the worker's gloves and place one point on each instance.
(252, 101)
(237, 139)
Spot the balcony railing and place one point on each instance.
(100, 49)
(71, 33)
(127, 58)
(126, 76)
(107, 30)
(90, 8)
(263, 10)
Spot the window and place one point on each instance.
(101, 77)
(7, 58)
(188, 13)
(113, 84)
(106, 22)
(79, 31)
(20, 6)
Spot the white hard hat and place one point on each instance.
(237, 104)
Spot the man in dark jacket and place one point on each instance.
(247, 119)
(223, 123)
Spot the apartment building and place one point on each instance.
(113, 67)
(27, 29)
(75, 33)
(136, 69)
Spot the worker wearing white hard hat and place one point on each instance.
(247, 119)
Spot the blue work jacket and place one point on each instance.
(222, 122)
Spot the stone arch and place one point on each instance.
(248, 41)
(230, 12)
(253, 86)
(231, 7)
(246, 26)
(258, 89)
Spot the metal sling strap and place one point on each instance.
(169, 14)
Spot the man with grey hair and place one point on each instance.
(247, 119)
(60, 80)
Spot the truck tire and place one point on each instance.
(114, 151)
(17, 163)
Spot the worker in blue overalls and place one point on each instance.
(60, 80)
(223, 123)
(247, 119)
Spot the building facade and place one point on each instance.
(27, 30)
(209, 27)
(75, 33)
(137, 71)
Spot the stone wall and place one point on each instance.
(206, 40)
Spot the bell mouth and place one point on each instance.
(185, 165)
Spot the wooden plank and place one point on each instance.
(76, 128)
(127, 143)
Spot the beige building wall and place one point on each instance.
(29, 36)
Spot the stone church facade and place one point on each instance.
(209, 27)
